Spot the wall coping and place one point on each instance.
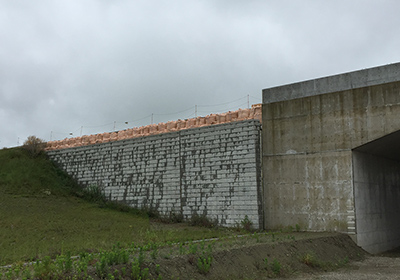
(232, 116)
(346, 81)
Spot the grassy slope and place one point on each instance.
(40, 216)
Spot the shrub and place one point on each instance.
(276, 267)
(311, 260)
(175, 217)
(202, 221)
(247, 224)
(205, 259)
(204, 264)
(94, 193)
(34, 145)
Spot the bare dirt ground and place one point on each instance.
(295, 255)
(290, 255)
(314, 256)
(383, 266)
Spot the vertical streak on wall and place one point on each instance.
(259, 170)
(260, 175)
(181, 173)
(211, 170)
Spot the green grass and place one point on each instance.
(42, 215)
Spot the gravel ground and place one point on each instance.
(373, 267)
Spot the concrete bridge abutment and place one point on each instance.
(328, 164)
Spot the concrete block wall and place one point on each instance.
(232, 116)
(212, 170)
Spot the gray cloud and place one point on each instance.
(68, 64)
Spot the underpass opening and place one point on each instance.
(376, 181)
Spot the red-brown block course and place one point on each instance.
(240, 115)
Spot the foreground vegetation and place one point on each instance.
(52, 229)
(44, 213)
(253, 256)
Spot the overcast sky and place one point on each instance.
(85, 66)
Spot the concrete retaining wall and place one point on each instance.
(212, 170)
(311, 178)
(307, 153)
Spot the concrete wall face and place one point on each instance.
(307, 158)
(212, 170)
(377, 192)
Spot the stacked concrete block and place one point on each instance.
(242, 114)
(220, 176)
(211, 170)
